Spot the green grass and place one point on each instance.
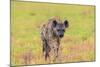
(26, 19)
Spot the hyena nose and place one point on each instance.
(61, 36)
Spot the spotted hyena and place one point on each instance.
(51, 34)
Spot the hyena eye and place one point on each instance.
(63, 30)
(58, 30)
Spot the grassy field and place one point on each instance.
(26, 19)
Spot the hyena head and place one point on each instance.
(59, 28)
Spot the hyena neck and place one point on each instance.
(55, 37)
(52, 34)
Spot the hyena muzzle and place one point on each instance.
(51, 34)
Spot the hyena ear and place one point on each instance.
(54, 23)
(66, 23)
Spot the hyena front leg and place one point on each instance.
(55, 54)
(56, 51)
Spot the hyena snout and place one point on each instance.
(61, 36)
(61, 33)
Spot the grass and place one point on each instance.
(26, 19)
